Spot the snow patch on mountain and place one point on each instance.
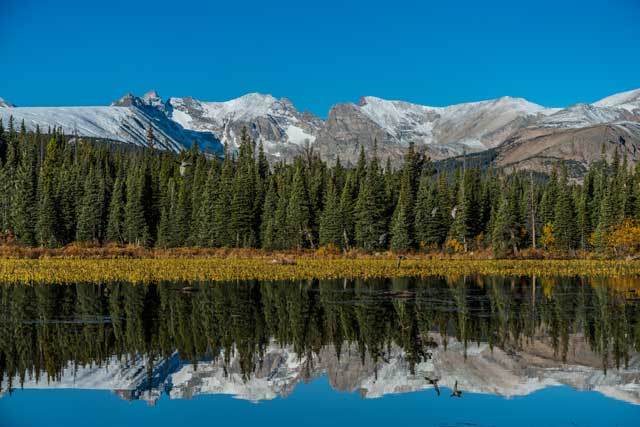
(298, 136)
(629, 100)
(582, 115)
(5, 104)
(470, 125)
(274, 122)
(126, 121)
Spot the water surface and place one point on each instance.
(522, 351)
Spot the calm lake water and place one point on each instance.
(485, 351)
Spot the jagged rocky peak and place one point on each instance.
(153, 99)
(126, 101)
(6, 104)
(150, 98)
(275, 122)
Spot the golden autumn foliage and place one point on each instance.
(453, 245)
(548, 240)
(624, 238)
(148, 270)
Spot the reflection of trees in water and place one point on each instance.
(43, 328)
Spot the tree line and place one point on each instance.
(55, 190)
(45, 329)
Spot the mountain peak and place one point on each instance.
(126, 101)
(151, 95)
(153, 99)
(619, 99)
(5, 104)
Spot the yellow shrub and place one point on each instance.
(454, 246)
(548, 240)
(624, 238)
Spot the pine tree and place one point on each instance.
(347, 211)
(23, 200)
(167, 230)
(370, 227)
(136, 230)
(331, 220)
(506, 227)
(268, 223)
(400, 235)
(298, 213)
(48, 221)
(402, 221)
(151, 139)
(438, 226)
(222, 205)
(184, 208)
(423, 211)
(115, 219)
(204, 229)
(243, 195)
(564, 223)
(90, 213)
(282, 231)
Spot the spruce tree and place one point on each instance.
(402, 220)
(136, 230)
(167, 230)
(299, 230)
(564, 224)
(331, 220)
(423, 212)
(243, 195)
(90, 211)
(347, 211)
(48, 221)
(268, 224)
(23, 201)
(222, 204)
(115, 218)
(370, 222)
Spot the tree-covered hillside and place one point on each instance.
(55, 190)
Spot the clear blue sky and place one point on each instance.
(556, 53)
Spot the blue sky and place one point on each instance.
(555, 53)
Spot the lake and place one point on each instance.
(442, 351)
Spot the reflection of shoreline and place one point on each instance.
(484, 371)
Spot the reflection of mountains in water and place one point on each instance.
(506, 336)
(483, 370)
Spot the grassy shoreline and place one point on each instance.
(234, 267)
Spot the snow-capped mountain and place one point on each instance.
(477, 369)
(498, 124)
(5, 104)
(625, 100)
(125, 121)
(281, 128)
(441, 131)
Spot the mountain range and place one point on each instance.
(477, 369)
(519, 134)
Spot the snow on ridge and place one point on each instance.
(244, 108)
(620, 99)
(6, 104)
(427, 125)
(98, 122)
(582, 115)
